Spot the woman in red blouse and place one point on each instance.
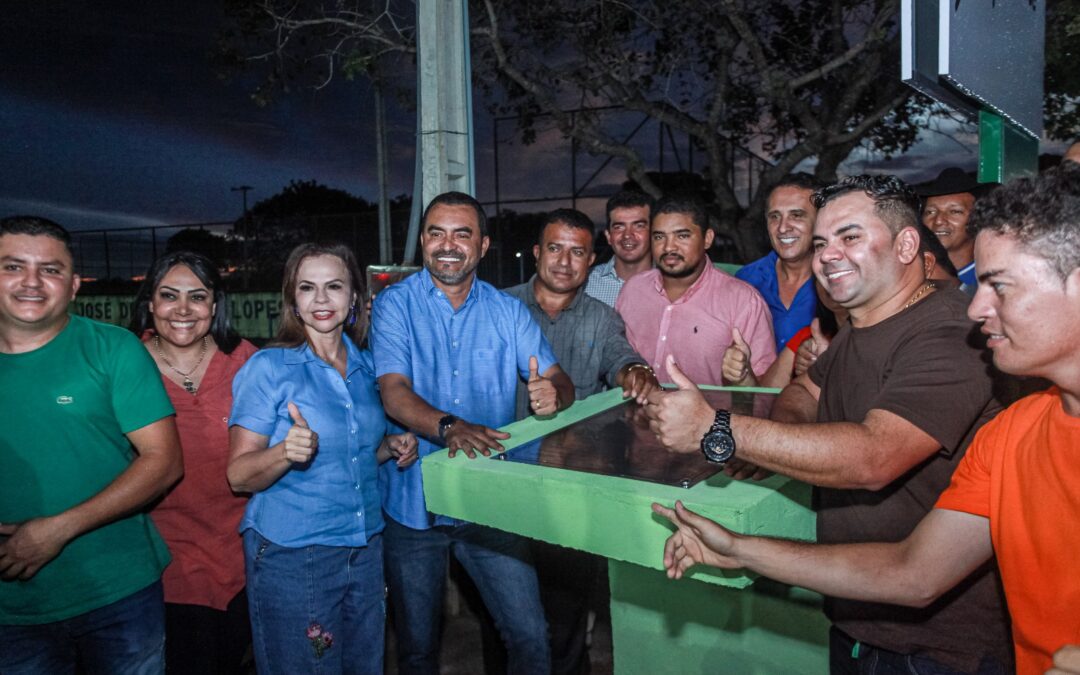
(182, 315)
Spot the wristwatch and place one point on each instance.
(718, 445)
(445, 422)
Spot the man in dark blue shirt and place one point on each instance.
(784, 277)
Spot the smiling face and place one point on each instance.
(679, 244)
(856, 257)
(37, 282)
(324, 294)
(563, 257)
(628, 233)
(789, 217)
(452, 243)
(182, 307)
(947, 217)
(1030, 315)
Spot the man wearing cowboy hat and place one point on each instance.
(948, 200)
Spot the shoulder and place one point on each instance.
(641, 281)
(520, 291)
(726, 286)
(266, 359)
(942, 314)
(601, 269)
(592, 307)
(761, 268)
(399, 292)
(108, 343)
(107, 333)
(243, 351)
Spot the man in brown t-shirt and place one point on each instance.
(878, 425)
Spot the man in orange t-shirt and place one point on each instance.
(1015, 492)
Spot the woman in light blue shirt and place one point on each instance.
(307, 432)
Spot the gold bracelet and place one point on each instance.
(641, 365)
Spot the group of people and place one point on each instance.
(284, 483)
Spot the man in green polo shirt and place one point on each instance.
(88, 440)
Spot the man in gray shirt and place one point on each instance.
(587, 336)
(589, 341)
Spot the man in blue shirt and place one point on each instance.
(449, 350)
(784, 277)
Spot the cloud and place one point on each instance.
(72, 216)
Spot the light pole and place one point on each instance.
(243, 190)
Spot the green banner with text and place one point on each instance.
(254, 315)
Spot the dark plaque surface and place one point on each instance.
(618, 442)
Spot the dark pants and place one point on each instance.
(567, 583)
(498, 563)
(846, 659)
(126, 637)
(202, 639)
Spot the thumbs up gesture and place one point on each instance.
(811, 349)
(679, 417)
(543, 398)
(301, 442)
(736, 364)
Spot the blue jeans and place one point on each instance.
(846, 659)
(500, 566)
(339, 588)
(126, 637)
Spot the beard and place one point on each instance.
(677, 273)
(448, 277)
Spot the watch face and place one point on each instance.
(718, 446)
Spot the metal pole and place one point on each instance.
(108, 262)
(386, 253)
(573, 162)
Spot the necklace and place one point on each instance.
(188, 384)
(919, 293)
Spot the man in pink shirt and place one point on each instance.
(688, 308)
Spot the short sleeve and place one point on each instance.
(969, 490)
(530, 341)
(138, 395)
(389, 337)
(938, 383)
(255, 399)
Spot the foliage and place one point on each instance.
(1062, 114)
(806, 80)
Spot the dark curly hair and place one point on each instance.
(1041, 212)
(894, 201)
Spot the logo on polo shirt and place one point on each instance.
(64, 399)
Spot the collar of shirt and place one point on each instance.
(304, 353)
(427, 283)
(530, 298)
(707, 275)
(607, 269)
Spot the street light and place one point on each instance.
(521, 267)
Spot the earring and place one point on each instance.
(351, 320)
(296, 312)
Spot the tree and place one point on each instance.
(802, 80)
(302, 211)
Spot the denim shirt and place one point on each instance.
(334, 499)
(466, 362)
(786, 321)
